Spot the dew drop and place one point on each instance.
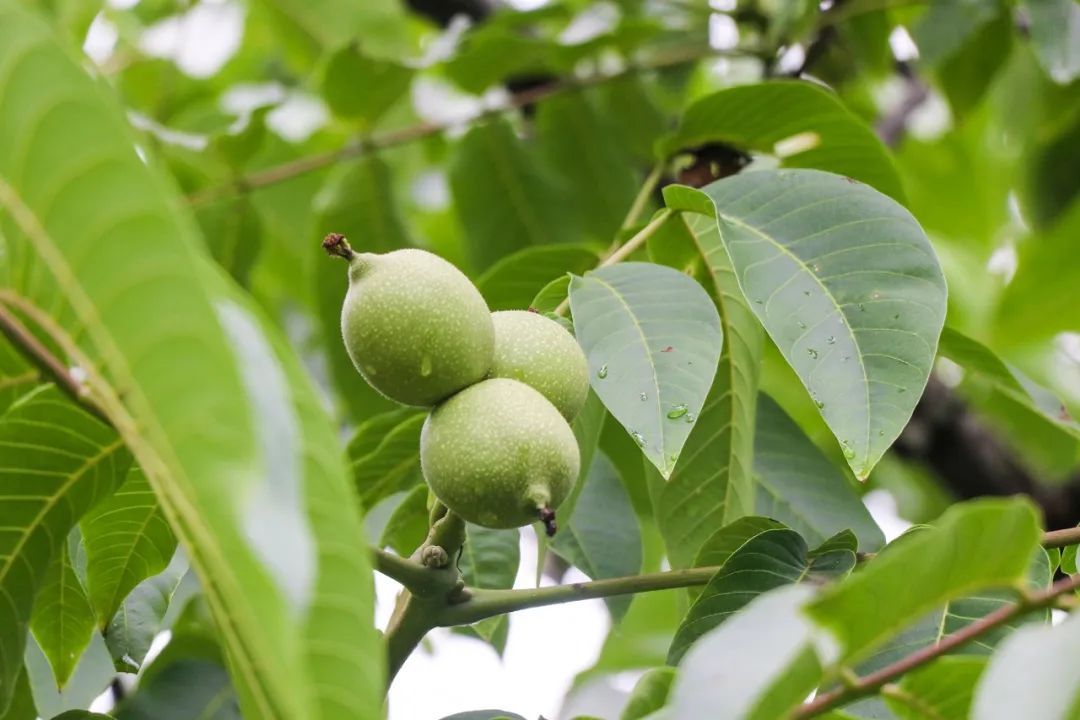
(819, 403)
(759, 302)
(643, 397)
(602, 372)
(690, 417)
(673, 458)
(806, 293)
(425, 366)
(876, 296)
(896, 316)
(862, 308)
(881, 433)
(845, 358)
(901, 390)
(848, 452)
(812, 353)
(830, 340)
(816, 267)
(802, 325)
(677, 412)
(638, 438)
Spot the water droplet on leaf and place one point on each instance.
(638, 438)
(812, 353)
(848, 452)
(677, 412)
(691, 417)
(830, 340)
(602, 372)
(802, 325)
(425, 366)
(643, 397)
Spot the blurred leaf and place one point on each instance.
(513, 282)
(636, 121)
(408, 525)
(837, 273)
(975, 545)
(966, 75)
(769, 560)
(579, 144)
(141, 615)
(22, 701)
(58, 461)
(948, 24)
(361, 88)
(234, 235)
(1055, 34)
(807, 126)
(601, 536)
(712, 484)
(1034, 674)
(97, 248)
(587, 427)
(552, 295)
(799, 486)
(505, 197)
(93, 673)
(652, 337)
(127, 540)
(757, 666)
(940, 691)
(650, 693)
(378, 25)
(484, 715)
(17, 377)
(237, 146)
(186, 688)
(62, 620)
(385, 454)
(725, 541)
(492, 52)
(356, 201)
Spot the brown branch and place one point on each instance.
(523, 98)
(51, 366)
(870, 684)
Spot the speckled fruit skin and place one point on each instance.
(497, 452)
(415, 327)
(540, 353)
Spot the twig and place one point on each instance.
(49, 364)
(1061, 538)
(481, 604)
(406, 135)
(412, 575)
(869, 684)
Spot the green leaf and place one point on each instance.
(93, 673)
(408, 524)
(805, 124)
(580, 145)
(385, 454)
(650, 693)
(966, 75)
(974, 546)
(214, 404)
(141, 616)
(489, 558)
(484, 715)
(22, 704)
(127, 539)
(506, 199)
(552, 295)
(1034, 674)
(362, 88)
(769, 560)
(757, 666)
(725, 541)
(513, 282)
(800, 487)
(1055, 35)
(945, 26)
(17, 377)
(186, 688)
(234, 234)
(941, 691)
(58, 461)
(357, 201)
(712, 484)
(652, 337)
(601, 535)
(62, 620)
(846, 284)
(379, 25)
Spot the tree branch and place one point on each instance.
(481, 604)
(870, 684)
(402, 136)
(1061, 538)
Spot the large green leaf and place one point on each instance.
(1034, 674)
(650, 693)
(805, 124)
(712, 483)
(17, 377)
(127, 539)
(62, 620)
(58, 461)
(797, 485)
(258, 497)
(976, 545)
(941, 691)
(652, 337)
(601, 535)
(757, 666)
(490, 559)
(769, 560)
(141, 615)
(408, 524)
(513, 282)
(385, 454)
(187, 688)
(846, 284)
(362, 88)
(506, 198)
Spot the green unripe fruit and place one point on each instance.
(541, 353)
(414, 326)
(499, 455)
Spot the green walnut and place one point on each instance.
(414, 326)
(541, 353)
(499, 455)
